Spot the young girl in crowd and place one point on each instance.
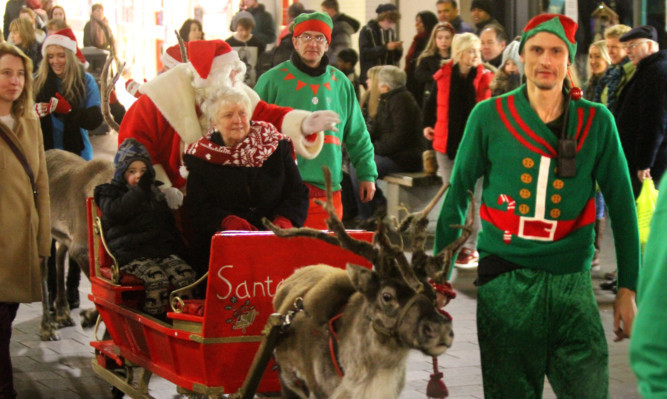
(508, 76)
(435, 54)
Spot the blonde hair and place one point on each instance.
(54, 25)
(25, 101)
(432, 47)
(616, 31)
(372, 95)
(600, 45)
(73, 86)
(462, 42)
(26, 31)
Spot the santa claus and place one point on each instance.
(170, 114)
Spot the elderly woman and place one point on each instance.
(459, 85)
(67, 98)
(239, 173)
(396, 135)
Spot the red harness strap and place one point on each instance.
(333, 345)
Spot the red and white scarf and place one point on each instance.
(251, 152)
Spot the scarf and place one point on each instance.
(590, 88)
(418, 44)
(611, 79)
(462, 100)
(72, 140)
(314, 72)
(260, 143)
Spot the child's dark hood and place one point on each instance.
(129, 151)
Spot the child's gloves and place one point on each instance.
(233, 222)
(145, 181)
(282, 222)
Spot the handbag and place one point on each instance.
(646, 202)
(23, 160)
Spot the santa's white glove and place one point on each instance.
(173, 196)
(319, 121)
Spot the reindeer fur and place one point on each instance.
(374, 364)
(71, 181)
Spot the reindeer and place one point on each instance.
(71, 181)
(385, 312)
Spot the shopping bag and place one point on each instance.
(645, 207)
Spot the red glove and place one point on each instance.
(232, 222)
(62, 106)
(132, 87)
(282, 222)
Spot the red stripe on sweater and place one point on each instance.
(580, 120)
(516, 135)
(588, 126)
(527, 129)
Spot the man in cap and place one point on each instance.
(640, 113)
(308, 82)
(378, 40)
(541, 153)
(448, 11)
(169, 114)
(482, 12)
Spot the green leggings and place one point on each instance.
(531, 323)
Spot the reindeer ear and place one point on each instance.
(364, 280)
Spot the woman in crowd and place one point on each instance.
(25, 231)
(240, 173)
(396, 135)
(245, 43)
(67, 98)
(509, 74)
(598, 61)
(36, 22)
(371, 97)
(435, 54)
(459, 85)
(22, 33)
(191, 29)
(424, 22)
(57, 12)
(96, 32)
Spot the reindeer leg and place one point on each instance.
(63, 318)
(88, 316)
(47, 329)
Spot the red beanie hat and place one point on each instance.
(203, 53)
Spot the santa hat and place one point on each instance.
(557, 24)
(314, 21)
(64, 38)
(172, 56)
(202, 54)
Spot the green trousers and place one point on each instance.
(532, 323)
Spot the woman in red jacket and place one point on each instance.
(458, 85)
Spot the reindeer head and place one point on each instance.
(400, 302)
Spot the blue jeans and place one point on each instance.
(385, 166)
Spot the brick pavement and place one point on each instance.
(61, 370)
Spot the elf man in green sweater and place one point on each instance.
(541, 151)
(307, 82)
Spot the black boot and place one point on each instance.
(609, 285)
(72, 284)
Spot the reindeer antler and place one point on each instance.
(341, 238)
(106, 88)
(181, 46)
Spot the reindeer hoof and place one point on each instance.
(88, 317)
(64, 320)
(49, 332)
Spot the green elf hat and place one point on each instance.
(559, 25)
(314, 21)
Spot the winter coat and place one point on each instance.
(396, 132)
(436, 111)
(641, 116)
(265, 26)
(34, 52)
(373, 48)
(415, 86)
(25, 227)
(344, 27)
(137, 221)
(277, 55)
(460, 26)
(252, 193)
(504, 83)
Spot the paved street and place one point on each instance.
(62, 369)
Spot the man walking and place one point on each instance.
(307, 82)
(541, 153)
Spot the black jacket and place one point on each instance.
(275, 56)
(396, 131)
(265, 26)
(217, 191)
(136, 223)
(641, 116)
(344, 27)
(373, 48)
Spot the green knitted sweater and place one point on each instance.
(530, 216)
(286, 85)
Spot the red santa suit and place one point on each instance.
(165, 119)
